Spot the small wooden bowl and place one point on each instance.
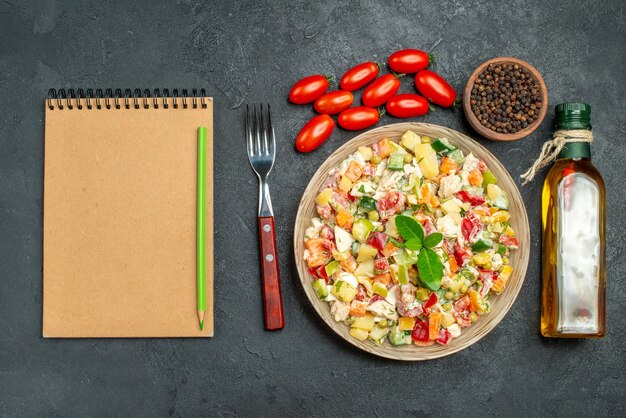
(493, 135)
(500, 304)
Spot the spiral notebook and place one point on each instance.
(120, 213)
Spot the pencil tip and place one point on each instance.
(201, 325)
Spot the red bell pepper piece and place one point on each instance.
(460, 255)
(465, 196)
(420, 331)
(319, 273)
(431, 301)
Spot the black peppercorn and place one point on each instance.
(506, 98)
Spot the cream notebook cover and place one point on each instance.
(120, 215)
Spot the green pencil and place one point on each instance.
(200, 226)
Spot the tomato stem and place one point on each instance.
(431, 59)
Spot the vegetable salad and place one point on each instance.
(411, 242)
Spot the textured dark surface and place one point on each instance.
(254, 52)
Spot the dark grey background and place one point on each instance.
(254, 51)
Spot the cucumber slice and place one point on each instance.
(403, 274)
(368, 203)
(396, 162)
(482, 245)
(321, 289)
(489, 178)
(442, 145)
(457, 156)
(332, 268)
(361, 229)
(501, 202)
(396, 336)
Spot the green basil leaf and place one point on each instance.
(430, 268)
(413, 244)
(409, 228)
(433, 239)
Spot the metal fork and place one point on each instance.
(261, 145)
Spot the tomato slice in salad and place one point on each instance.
(377, 240)
(471, 226)
(444, 337)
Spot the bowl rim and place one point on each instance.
(368, 346)
(488, 133)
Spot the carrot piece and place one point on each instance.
(345, 219)
(357, 308)
(424, 344)
(384, 278)
(453, 265)
(448, 166)
(389, 249)
(349, 264)
(318, 259)
(354, 171)
(482, 211)
(434, 322)
(384, 148)
(315, 245)
(475, 301)
(428, 198)
(475, 178)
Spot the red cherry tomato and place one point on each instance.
(359, 117)
(409, 61)
(381, 90)
(407, 106)
(314, 133)
(435, 88)
(308, 89)
(358, 76)
(333, 102)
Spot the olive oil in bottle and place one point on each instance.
(573, 216)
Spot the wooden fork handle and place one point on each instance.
(272, 299)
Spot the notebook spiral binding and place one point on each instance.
(109, 99)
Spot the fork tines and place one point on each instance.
(259, 132)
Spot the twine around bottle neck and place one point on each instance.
(552, 148)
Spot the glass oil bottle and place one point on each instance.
(573, 217)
